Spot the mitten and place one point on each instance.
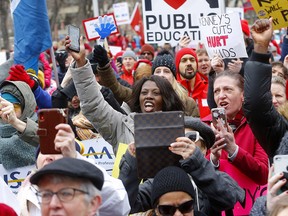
(100, 55)
(18, 73)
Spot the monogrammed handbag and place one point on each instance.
(154, 132)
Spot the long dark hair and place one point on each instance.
(171, 101)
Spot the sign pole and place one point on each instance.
(95, 8)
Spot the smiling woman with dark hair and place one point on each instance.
(149, 95)
(170, 100)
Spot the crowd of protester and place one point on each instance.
(103, 93)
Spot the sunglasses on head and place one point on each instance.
(193, 135)
(169, 210)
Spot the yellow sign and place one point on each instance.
(121, 151)
(271, 8)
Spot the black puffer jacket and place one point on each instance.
(268, 126)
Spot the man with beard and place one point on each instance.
(186, 68)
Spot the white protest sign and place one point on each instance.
(107, 23)
(115, 49)
(121, 13)
(2, 57)
(238, 10)
(168, 20)
(101, 152)
(222, 34)
(14, 177)
(96, 149)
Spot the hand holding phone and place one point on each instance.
(219, 113)
(74, 34)
(47, 120)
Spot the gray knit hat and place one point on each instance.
(171, 179)
(204, 130)
(165, 60)
(129, 53)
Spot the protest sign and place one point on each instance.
(14, 177)
(169, 20)
(2, 57)
(121, 13)
(101, 152)
(238, 10)
(95, 149)
(276, 9)
(222, 35)
(106, 24)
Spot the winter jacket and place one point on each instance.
(108, 79)
(123, 93)
(126, 75)
(284, 48)
(43, 99)
(266, 123)
(113, 126)
(259, 207)
(199, 93)
(14, 151)
(250, 166)
(216, 190)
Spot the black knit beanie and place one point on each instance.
(165, 60)
(171, 179)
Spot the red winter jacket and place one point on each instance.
(199, 93)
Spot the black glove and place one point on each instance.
(61, 57)
(100, 55)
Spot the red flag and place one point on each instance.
(137, 22)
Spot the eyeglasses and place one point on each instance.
(169, 210)
(193, 135)
(64, 195)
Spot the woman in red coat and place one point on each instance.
(236, 150)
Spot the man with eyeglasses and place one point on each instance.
(113, 191)
(69, 186)
(147, 52)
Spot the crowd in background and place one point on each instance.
(103, 92)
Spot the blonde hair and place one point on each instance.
(278, 80)
(180, 90)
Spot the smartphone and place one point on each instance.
(219, 113)
(47, 121)
(281, 165)
(74, 34)
(119, 59)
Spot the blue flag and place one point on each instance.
(32, 33)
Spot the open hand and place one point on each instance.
(106, 26)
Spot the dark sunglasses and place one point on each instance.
(169, 210)
(193, 135)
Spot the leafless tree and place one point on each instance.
(4, 10)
